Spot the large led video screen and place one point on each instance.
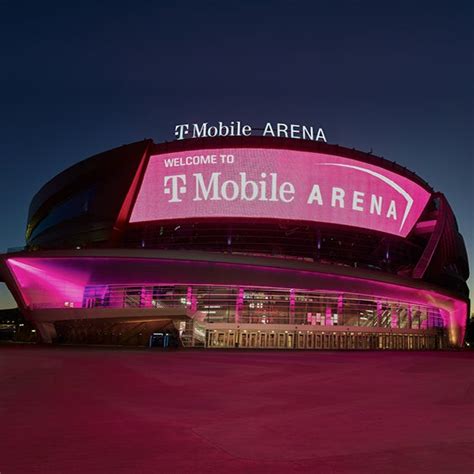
(277, 184)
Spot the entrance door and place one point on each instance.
(281, 340)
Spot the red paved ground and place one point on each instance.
(86, 410)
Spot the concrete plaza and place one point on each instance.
(106, 410)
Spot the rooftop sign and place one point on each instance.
(238, 129)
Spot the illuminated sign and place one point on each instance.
(237, 129)
(278, 184)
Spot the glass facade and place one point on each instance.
(76, 205)
(309, 242)
(268, 306)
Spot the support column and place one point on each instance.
(340, 309)
(239, 304)
(191, 300)
(189, 297)
(379, 313)
(328, 321)
(292, 306)
(393, 317)
(146, 297)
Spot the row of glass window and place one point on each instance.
(269, 306)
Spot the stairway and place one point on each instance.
(190, 337)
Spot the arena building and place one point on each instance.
(242, 242)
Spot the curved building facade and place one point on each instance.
(242, 242)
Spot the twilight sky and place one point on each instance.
(394, 77)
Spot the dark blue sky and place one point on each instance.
(394, 77)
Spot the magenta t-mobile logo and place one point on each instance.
(177, 186)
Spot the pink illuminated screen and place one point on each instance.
(278, 184)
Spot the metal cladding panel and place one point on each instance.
(83, 202)
(446, 261)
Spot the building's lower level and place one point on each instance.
(248, 336)
(226, 301)
(330, 338)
